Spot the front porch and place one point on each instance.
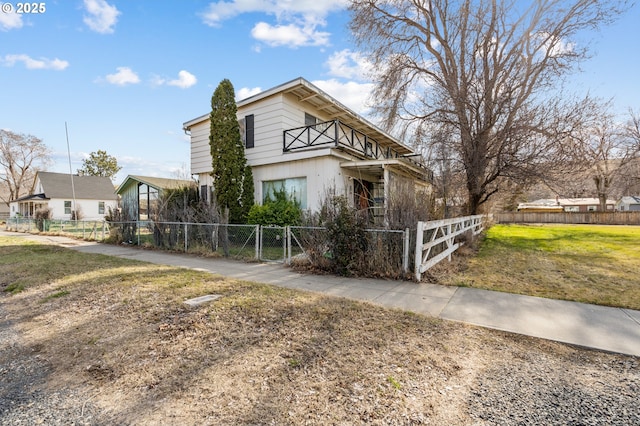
(27, 205)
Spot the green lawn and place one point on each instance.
(586, 263)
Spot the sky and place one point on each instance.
(123, 76)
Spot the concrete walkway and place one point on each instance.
(598, 327)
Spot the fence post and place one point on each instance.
(186, 229)
(450, 240)
(405, 251)
(287, 230)
(258, 242)
(284, 243)
(104, 229)
(418, 257)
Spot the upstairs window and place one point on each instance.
(310, 120)
(247, 131)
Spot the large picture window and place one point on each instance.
(295, 188)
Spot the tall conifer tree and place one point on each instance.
(232, 177)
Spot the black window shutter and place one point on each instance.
(248, 120)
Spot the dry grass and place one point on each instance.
(119, 330)
(591, 263)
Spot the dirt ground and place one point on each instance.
(121, 337)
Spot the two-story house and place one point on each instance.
(298, 137)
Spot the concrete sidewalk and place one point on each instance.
(598, 327)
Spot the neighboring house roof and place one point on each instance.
(155, 182)
(556, 203)
(582, 201)
(32, 197)
(629, 199)
(307, 92)
(58, 185)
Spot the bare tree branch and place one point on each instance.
(21, 156)
(486, 68)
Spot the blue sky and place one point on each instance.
(125, 75)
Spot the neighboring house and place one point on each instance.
(4, 206)
(62, 193)
(565, 205)
(298, 137)
(139, 194)
(628, 204)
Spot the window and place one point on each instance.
(100, 207)
(67, 207)
(147, 201)
(572, 209)
(295, 188)
(592, 208)
(247, 131)
(203, 194)
(310, 120)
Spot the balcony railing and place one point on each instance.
(336, 134)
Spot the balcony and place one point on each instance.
(336, 134)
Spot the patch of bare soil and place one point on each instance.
(137, 355)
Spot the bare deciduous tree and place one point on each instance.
(21, 156)
(483, 67)
(602, 146)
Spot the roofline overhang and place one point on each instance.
(390, 163)
(317, 92)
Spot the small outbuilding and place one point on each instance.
(140, 194)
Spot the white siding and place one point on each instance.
(322, 174)
(88, 209)
(200, 151)
(272, 116)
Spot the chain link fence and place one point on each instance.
(96, 230)
(387, 251)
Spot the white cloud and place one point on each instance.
(102, 16)
(283, 9)
(554, 45)
(10, 21)
(247, 92)
(35, 64)
(297, 21)
(348, 64)
(352, 94)
(290, 35)
(123, 77)
(184, 81)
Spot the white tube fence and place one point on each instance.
(442, 240)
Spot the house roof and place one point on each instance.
(554, 203)
(155, 182)
(32, 197)
(317, 98)
(58, 185)
(630, 199)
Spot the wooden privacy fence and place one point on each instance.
(440, 237)
(594, 218)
